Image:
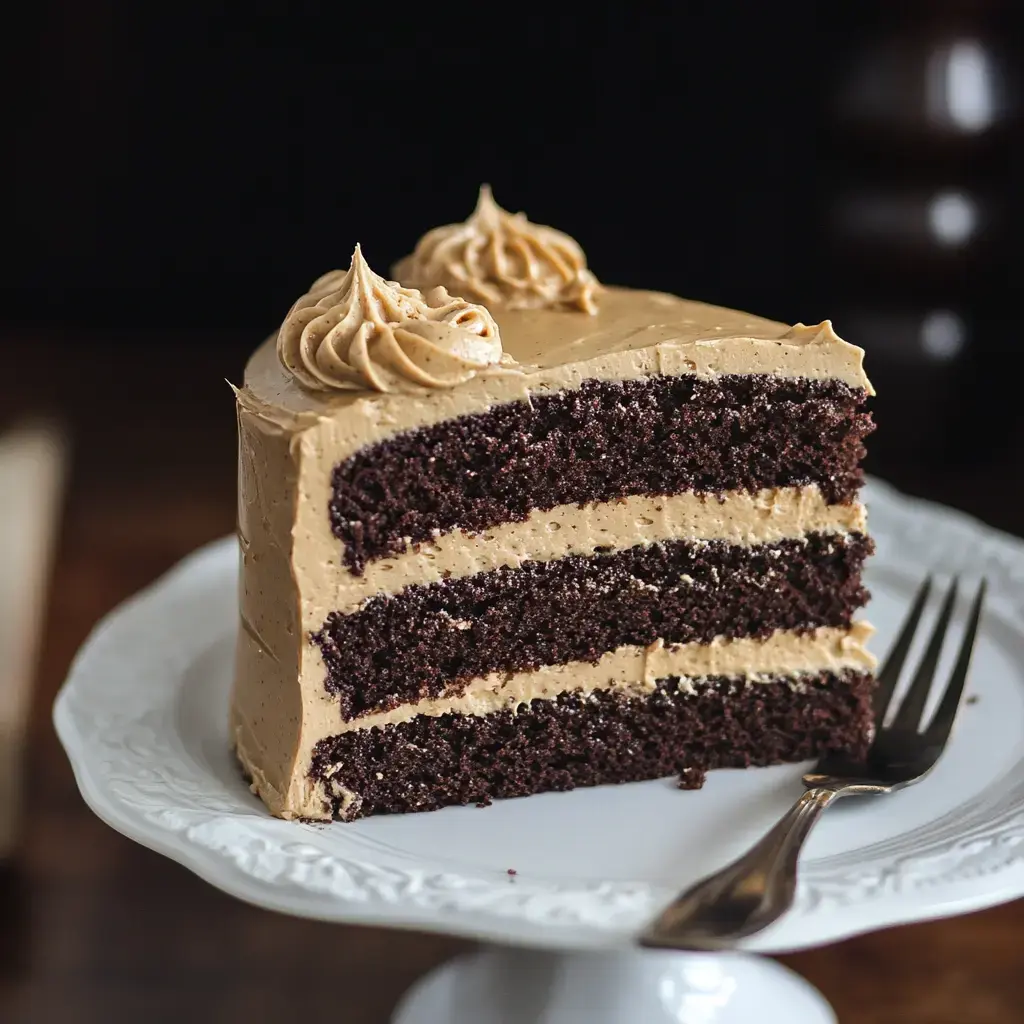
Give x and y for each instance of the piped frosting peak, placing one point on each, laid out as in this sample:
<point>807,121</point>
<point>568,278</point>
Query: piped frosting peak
<point>812,334</point>
<point>502,259</point>
<point>354,330</point>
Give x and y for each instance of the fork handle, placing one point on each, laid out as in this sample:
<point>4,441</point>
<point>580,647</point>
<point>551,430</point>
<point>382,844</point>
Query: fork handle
<point>749,894</point>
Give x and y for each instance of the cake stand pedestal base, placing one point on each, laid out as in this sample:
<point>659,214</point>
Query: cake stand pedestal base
<point>513,986</point>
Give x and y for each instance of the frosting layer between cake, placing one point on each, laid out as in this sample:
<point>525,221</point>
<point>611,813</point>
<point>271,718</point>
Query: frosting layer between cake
<point>600,442</point>
<point>261,726</point>
<point>432,639</point>
<point>592,739</point>
<point>637,670</point>
<point>736,517</point>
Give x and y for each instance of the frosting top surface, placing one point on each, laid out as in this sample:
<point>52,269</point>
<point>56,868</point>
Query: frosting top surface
<point>626,320</point>
<point>633,333</point>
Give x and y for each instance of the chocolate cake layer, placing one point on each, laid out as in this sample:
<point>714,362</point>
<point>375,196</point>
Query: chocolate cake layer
<point>573,740</point>
<point>604,440</point>
<point>433,639</point>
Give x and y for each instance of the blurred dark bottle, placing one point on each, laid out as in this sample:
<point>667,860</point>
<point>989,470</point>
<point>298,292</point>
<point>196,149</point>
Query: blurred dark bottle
<point>920,215</point>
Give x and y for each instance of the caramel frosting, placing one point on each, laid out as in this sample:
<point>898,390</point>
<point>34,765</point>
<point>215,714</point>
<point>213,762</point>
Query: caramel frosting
<point>635,671</point>
<point>634,334</point>
<point>741,518</point>
<point>354,331</point>
<point>501,259</point>
<point>292,433</point>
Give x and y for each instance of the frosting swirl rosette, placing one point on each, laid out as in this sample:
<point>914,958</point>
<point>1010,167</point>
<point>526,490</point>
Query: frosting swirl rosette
<point>501,259</point>
<point>353,330</point>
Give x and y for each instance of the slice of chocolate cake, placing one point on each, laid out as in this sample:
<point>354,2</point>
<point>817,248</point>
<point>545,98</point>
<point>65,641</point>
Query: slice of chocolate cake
<point>505,530</point>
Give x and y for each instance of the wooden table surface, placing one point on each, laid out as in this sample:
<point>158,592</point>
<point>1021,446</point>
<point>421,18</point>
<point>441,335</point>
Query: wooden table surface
<point>94,928</point>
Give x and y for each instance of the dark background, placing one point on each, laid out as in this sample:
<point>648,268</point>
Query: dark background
<point>175,175</point>
<point>201,169</point>
<point>196,167</point>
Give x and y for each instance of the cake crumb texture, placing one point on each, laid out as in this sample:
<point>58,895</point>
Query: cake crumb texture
<point>575,740</point>
<point>602,441</point>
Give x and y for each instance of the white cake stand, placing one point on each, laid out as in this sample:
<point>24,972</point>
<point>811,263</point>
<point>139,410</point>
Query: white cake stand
<point>560,884</point>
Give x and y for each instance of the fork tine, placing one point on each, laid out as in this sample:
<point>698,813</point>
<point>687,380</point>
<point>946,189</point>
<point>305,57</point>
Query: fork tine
<point>890,674</point>
<point>942,721</point>
<point>908,716</point>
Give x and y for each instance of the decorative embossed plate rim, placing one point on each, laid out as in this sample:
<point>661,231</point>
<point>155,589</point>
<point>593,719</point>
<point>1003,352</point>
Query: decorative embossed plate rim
<point>142,717</point>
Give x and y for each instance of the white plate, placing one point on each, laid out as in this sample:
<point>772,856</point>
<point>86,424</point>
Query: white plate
<point>143,718</point>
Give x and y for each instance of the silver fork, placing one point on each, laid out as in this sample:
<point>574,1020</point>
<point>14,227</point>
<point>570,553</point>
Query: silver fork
<point>759,887</point>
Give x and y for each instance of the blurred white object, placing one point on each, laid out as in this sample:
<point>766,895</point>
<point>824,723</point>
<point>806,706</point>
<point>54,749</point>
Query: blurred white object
<point>960,88</point>
<point>943,334</point>
<point>909,337</point>
<point>957,86</point>
<point>953,217</point>
<point>912,219</point>
<point>32,460</point>
<point>518,986</point>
